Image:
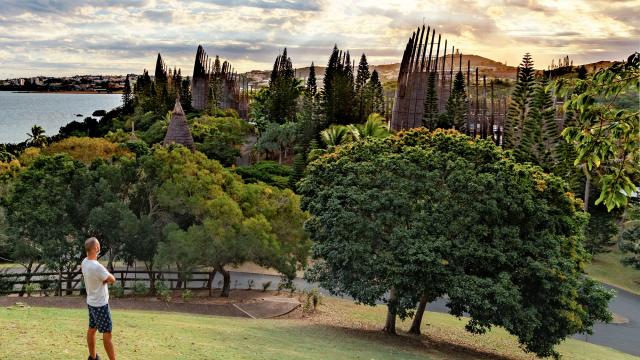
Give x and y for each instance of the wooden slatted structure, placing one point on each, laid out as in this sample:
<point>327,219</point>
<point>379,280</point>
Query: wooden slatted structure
<point>486,113</point>
<point>209,74</point>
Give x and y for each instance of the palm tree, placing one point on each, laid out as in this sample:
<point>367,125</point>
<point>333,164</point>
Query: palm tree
<point>37,137</point>
<point>374,127</point>
<point>335,135</point>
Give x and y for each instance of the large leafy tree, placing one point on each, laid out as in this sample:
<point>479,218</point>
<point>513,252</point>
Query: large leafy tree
<point>425,214</point>
<point>47,211</point>
<point>606,136</point>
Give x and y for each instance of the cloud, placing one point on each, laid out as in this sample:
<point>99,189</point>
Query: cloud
<point>68,37</point>
<point>269,4</point>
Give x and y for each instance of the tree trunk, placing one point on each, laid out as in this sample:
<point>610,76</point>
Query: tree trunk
<point>417,319</point>
<point>69,286</point>
<point>587,187</point>
<point>110,263</point>
<point>59,287</point>
<point>179,281</point>
<point>226,287</point>
<point>27,278</point>
<point>390,325</point>
<point>212,274</point>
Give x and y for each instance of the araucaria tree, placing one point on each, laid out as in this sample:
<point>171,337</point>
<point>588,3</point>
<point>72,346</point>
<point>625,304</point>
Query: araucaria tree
<point>421,214</point>
<point>376,94</point>
<point>430,116</point>
<point>339,93</point>
<point>457,105</point>
<point>283,90</point>
<point>520,104</point>
<point>362,96</point>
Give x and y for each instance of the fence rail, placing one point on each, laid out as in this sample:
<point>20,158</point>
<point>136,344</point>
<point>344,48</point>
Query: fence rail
<point>70,282</point>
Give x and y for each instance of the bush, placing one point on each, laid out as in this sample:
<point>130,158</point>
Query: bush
<point>187,295</point>
<point>250,284</point>
<point>116,290</point>
<point>31,288</point>
<point>313,299</point>
<point>140,288</point>
<point>266,285</point>
<point>269,172</point>
<point>162,291</point>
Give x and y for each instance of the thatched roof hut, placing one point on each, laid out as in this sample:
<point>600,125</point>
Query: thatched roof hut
<point>178,131</point>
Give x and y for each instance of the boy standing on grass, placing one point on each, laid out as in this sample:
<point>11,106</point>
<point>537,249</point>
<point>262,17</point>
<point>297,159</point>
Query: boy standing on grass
<point>96,279</point>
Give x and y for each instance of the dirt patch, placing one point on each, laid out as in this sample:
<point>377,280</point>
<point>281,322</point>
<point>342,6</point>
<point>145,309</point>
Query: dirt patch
<point>248,304</point>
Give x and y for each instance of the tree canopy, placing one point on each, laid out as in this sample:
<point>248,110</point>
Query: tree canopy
<point>427,214</point>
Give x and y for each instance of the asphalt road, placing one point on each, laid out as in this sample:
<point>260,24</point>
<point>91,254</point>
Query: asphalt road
<point>624,337</point>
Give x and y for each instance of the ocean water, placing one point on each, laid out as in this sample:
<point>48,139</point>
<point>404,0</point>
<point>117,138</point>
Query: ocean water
<point>20,111</point>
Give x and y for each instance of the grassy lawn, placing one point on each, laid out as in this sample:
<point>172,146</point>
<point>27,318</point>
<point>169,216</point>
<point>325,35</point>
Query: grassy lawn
<point>447,330</point>
<point>339,330</point>
<point>49,333</point>
<point>608,269</point>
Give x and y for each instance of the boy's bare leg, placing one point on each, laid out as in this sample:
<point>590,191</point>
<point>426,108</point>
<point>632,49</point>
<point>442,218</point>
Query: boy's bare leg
<point>108,346</point>
<point>91,342</point>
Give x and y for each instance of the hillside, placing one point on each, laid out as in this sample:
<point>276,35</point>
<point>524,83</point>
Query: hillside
<point>389,72</point>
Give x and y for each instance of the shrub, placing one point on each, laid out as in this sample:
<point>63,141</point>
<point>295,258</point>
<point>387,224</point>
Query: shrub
<point>116,290</point>
<point>313,299</point>
<point>31,288</point>
<point>140,288</point>
<point>269,172</point>
<point>162,291</point>
<point>266,285</point>
<point>187,295</point>
<point>250,284</point>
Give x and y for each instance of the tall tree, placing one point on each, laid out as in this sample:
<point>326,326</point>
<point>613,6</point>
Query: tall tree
<point>520,104</point>
<point>457,104</point>
<point>376,94</point>
<point>605,135</point>
<point>430,117</point>
<point>362,78</point>
<point>126,94</point>
<point>284,90</point>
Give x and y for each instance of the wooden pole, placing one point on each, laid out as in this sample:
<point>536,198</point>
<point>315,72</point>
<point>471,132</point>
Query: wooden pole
<point>491,131</point>
<point>485,129</point>
<point>433,34</point>
<point>424,50</point>
<point>475,117</point>
<point>453,48</point>
<point>469,97</point>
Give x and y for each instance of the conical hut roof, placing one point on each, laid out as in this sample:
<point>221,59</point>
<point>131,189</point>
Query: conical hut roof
<point>178,131</point>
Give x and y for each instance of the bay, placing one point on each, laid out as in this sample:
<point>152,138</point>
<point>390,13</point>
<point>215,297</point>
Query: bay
<point>20,111</point>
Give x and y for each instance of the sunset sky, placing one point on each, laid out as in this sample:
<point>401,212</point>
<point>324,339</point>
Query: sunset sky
<point>64,37</point>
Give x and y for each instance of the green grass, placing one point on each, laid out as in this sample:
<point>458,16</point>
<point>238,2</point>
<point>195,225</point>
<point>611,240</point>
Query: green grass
<point>341,330</point>
<point>48,333</point>
<point>607,268</point>
<point>447,330</point>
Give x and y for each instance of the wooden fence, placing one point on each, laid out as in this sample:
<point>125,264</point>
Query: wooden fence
<point>71,282</point>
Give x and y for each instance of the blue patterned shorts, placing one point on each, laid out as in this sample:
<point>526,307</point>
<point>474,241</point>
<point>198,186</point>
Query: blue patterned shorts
<point>100,318</point>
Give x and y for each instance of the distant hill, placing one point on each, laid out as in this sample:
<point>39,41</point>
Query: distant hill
<point>389,72</point>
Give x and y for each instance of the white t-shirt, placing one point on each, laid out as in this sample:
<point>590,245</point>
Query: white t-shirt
<point>94,276</point>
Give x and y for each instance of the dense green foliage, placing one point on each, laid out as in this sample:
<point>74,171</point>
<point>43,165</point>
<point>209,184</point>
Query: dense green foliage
<point>149,208</point>
<point>424,214</point>
<point>520,104</point>
<point>607,137</point>
<point>268,172</point>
